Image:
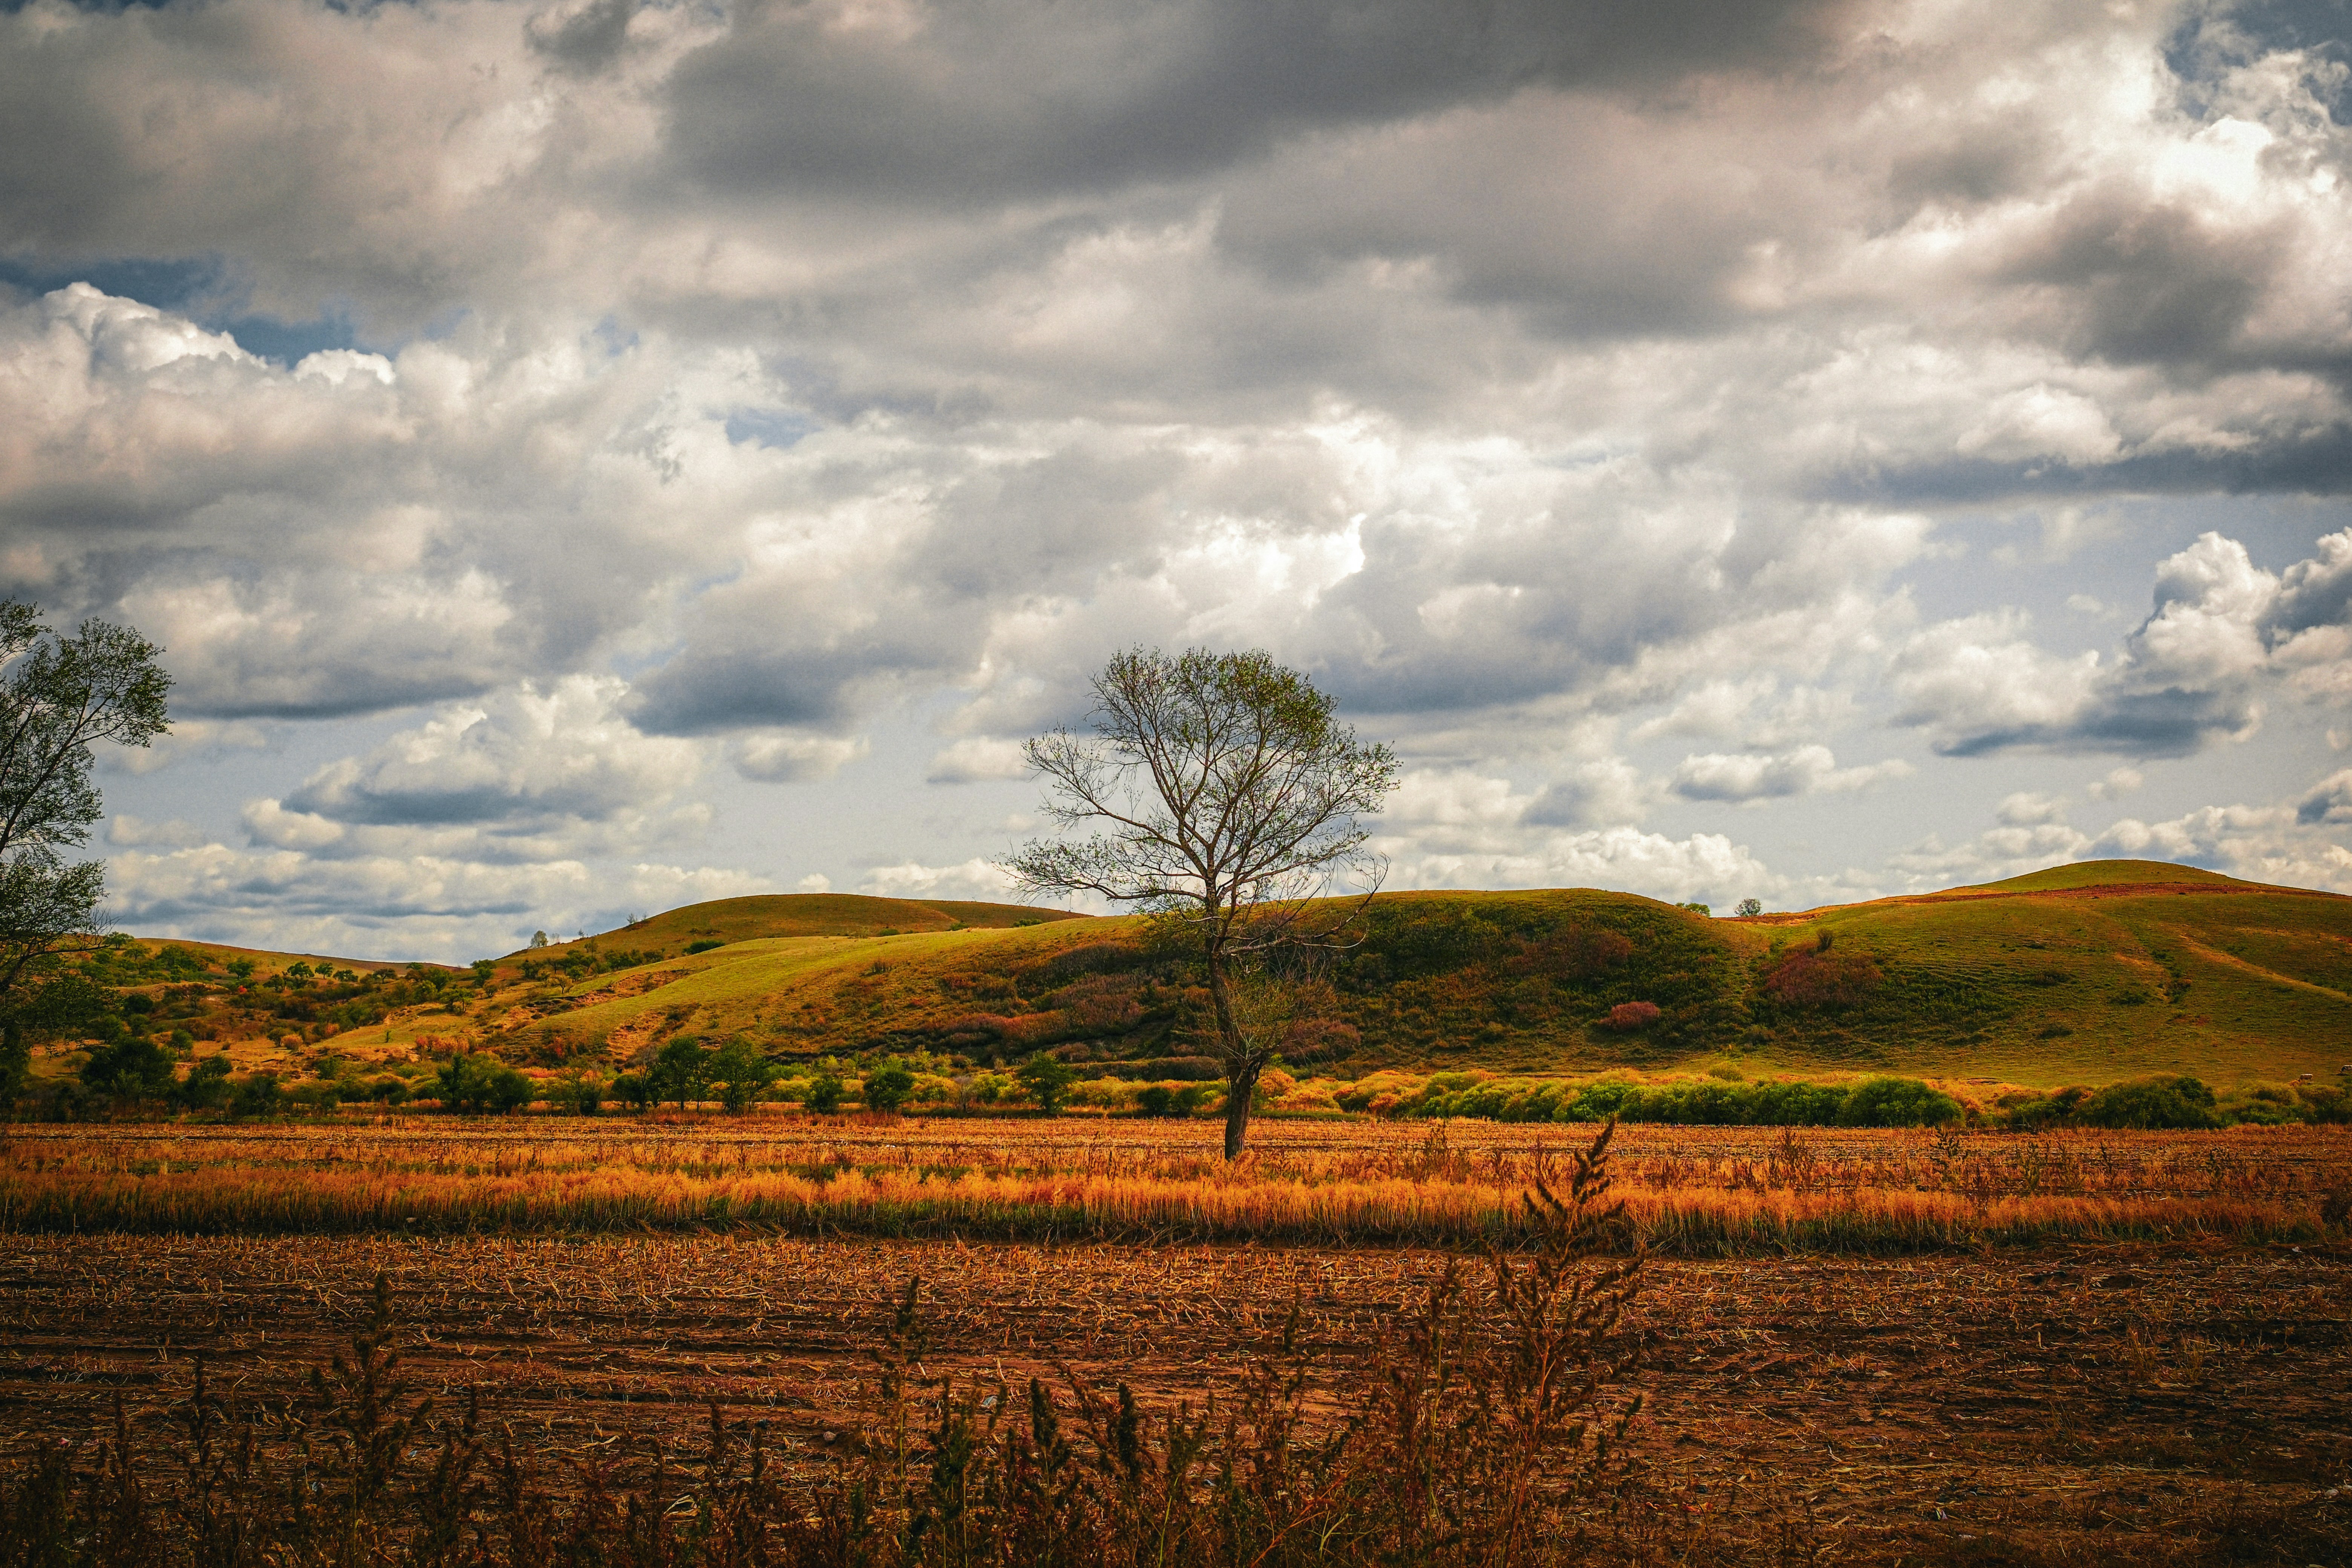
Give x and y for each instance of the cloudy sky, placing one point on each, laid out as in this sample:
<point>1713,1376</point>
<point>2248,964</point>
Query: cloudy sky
<point>582,459</point>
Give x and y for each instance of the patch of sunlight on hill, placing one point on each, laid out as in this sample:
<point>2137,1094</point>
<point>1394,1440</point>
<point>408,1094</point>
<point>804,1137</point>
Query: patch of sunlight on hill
<point>2097,874</point>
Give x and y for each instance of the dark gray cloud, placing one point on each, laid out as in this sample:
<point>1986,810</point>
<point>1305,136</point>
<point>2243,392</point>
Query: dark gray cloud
<point>2329,802</point>
<point>2171,722</point>
<point>1006,98</point>
<point>589,39</point>
<point>2151,281</point>
<point>2289,458</point>
<point>2313,594</point>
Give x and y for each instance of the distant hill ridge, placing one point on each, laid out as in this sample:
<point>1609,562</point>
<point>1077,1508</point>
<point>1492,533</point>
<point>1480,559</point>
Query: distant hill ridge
<point>2086,973</point>
<point>814,914</point>
<point>2082,973</point>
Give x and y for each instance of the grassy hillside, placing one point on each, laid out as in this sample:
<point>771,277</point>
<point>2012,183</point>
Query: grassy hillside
<point>811,914</point>
<point>2080,975</point>
<point>2085,973</point>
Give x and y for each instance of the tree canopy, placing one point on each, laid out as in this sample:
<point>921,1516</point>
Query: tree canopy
<point>59,697</point>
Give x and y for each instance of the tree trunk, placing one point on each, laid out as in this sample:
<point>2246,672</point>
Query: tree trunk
<point>16,1061</point>
<point>1241,1065</point>
<point>1239,1088</point>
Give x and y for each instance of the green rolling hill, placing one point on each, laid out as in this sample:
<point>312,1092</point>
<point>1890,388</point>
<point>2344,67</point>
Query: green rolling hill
<point>809,914</point>
<point>2084,973</point>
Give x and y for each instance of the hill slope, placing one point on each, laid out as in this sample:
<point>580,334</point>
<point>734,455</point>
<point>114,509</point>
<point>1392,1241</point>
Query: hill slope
<point>2086,973</point>
<point>811,914</point>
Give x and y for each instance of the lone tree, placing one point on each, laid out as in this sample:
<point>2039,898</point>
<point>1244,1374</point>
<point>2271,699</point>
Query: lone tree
<point>58,697</point>
<point>1222,795</point>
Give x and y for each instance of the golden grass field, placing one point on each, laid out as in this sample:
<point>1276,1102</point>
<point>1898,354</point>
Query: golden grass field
<point>1690,1191</point>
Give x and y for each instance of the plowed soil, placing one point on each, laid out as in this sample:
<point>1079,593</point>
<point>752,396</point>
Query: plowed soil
<point>2104,1404</point>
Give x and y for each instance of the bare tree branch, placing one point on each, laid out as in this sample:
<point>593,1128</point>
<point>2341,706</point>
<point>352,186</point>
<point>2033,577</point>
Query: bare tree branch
<point>1223,794</point>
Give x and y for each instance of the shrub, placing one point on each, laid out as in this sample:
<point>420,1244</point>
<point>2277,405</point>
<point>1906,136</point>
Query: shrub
<point>257,1096</point>
<point>2164,1102</point>
<point>1577,953</point>
<point>888,1085</point>
<point>1630,1015</point>
<point>681,1069</point>
<point>1795,1105</point>
<point>320,1094</point>
<point>1319,1039</point>
<point>2031,1113</point>
<point>823,1094</point>
<point>634,1090</point>
<point>475,1081</point>
<point>1047,1081</point>
<point>578,1092</point>
<point>1195,1070</point>
<point>1822,978</point>
<point>1899,1102</point>
<point>206,1087</point>
<point>132,1066</point>
<point>1170,1100</point>
<point>740,1070</point>
<point>703,946</point>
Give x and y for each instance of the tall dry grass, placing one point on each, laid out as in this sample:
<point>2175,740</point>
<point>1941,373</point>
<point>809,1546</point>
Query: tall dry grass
<point>1686,1191</point>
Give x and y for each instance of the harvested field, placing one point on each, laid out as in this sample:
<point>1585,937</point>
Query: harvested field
<point>2075,1404</point>
<point>1693,1191</point>
<point>1862,1346</point>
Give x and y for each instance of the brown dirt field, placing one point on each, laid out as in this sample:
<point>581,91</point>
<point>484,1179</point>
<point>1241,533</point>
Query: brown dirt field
<point>2094,1404</point>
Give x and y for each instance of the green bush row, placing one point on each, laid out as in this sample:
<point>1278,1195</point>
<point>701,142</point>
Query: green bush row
<point>2171,1101</point>
<point>1874,1102</point>
<point>2174,1100</point>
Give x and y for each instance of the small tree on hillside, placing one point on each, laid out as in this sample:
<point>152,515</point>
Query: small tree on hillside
<point>1223,795</point>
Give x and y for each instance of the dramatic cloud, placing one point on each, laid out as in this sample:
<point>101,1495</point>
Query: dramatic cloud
<point>762,416</point>
<point>2193,672</point>
<point>526,757</point>
<point>2288,842</point>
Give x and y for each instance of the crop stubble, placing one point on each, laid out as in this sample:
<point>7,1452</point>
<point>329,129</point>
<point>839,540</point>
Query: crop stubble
<point>2082,1398</point>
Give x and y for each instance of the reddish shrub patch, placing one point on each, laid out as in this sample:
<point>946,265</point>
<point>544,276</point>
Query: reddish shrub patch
<point>1816,979</point>
<point>1572,954</point>
<point>1633,1014</point>
<point>1316,1039</point>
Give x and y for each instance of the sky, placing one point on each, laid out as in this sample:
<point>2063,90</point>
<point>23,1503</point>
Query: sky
<point>582,459</point>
